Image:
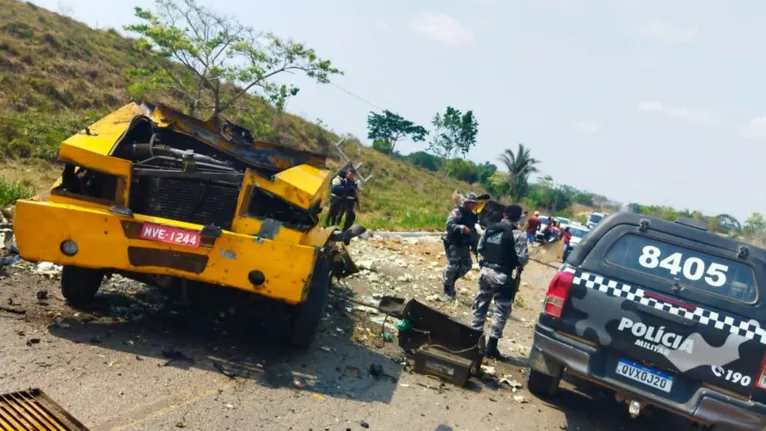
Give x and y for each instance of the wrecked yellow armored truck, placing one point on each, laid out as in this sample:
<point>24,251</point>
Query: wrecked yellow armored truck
<point>151,193</point>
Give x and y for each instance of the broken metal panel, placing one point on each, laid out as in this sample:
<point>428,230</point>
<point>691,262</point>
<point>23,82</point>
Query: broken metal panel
<point>317,236</point>
<point>34,410</point>
<point>302,186</point>
<point>97,162</point>
<point>225,136</point>
<point>101,136</point>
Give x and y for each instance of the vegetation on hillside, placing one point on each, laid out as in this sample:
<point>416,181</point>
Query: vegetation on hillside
<point>58,75</point>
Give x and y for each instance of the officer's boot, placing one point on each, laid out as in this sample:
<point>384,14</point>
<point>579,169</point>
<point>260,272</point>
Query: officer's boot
<point>491,350</point>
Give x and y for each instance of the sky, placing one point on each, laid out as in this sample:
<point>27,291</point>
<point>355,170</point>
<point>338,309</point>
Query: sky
<point>652,101</point>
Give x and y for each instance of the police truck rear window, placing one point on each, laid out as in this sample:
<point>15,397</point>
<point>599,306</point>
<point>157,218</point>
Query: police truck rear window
<point>687,267</point>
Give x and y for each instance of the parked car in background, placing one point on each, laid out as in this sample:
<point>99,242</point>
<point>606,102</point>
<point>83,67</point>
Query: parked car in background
<point>544,219</point>
<point>595,218</point>
<point>565,222</point>
<point>578,233</point>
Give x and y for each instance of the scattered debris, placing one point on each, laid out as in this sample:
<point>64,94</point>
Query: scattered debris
<point>229,406</point>
<point>513,384</point>
<point>32,341</point>
<point>520,399</point>
<point>298,383</point>
<point>327,349</point>
<point>96,339</point>
<point>488,371</point>
<point>42,295</point>
<point>13,310</point>
<point>48,269</point>
<point>364,424</point>
<point>175,355</point>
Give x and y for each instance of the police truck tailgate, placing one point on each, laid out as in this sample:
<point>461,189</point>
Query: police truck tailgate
<point>669,313</point>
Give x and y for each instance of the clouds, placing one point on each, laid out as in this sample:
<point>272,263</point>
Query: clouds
<point>442,28</point>
<point>586,127</point>
<point>667,33</point>
<point>692,116</point>
<point>755,129</point>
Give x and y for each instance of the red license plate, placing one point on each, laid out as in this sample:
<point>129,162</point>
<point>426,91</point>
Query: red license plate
<point>170,235</point>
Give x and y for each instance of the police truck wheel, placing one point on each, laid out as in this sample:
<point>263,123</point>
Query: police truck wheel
<point>306,316</point>
<point>79,285</point>
<point>542,384</point>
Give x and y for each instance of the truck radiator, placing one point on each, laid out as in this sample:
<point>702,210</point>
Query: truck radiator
<point>185,199</point>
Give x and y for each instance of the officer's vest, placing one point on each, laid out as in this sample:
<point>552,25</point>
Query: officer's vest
<point>467,218</point>
<point>499,247</point>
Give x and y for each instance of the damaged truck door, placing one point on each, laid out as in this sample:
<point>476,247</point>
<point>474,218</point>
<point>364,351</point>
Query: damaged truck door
<point>149,192</point>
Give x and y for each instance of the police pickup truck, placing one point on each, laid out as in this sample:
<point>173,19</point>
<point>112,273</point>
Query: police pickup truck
<point>664,314</point>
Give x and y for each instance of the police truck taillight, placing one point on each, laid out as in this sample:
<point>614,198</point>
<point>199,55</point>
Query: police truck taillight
<point>557,294</point>
<point>760,381</point>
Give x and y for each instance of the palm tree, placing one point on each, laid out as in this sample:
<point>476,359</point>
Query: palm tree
<point>520,165</point>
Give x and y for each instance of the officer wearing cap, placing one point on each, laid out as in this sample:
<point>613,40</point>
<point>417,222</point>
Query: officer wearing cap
<point>502,249</point>
<point>344,189</point>
<point>459,242</point>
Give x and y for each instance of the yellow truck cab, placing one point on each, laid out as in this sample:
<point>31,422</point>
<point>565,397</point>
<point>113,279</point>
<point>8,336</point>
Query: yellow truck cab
<point>149,191</point>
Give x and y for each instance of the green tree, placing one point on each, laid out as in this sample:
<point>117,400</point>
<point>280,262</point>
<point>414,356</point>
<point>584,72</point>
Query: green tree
<point>382,146</point>
<point>755,224</point>
<point>454,133</point>
<point>392,128</point>
<point>520,166</point>
<point>463,170</point>
<point>485,172</point>
<point>215,51</point>
<point>424,160</point>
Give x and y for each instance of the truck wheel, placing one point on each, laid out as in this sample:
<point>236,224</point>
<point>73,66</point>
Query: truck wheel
<point>542,384</point>
<point>79,285</point>
<point>306,316</point>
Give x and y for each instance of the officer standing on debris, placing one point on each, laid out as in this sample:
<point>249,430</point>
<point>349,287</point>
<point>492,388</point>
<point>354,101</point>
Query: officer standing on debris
<point>459,242</point>
<point>345,195</point>
<point>502,249</point>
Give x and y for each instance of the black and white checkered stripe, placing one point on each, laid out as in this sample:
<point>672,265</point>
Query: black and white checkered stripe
<point>720,321</point>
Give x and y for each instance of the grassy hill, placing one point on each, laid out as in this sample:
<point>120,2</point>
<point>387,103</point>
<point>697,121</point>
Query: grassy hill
<point>58,75</point>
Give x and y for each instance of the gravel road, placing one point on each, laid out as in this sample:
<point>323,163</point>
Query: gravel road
<point>139,360</point>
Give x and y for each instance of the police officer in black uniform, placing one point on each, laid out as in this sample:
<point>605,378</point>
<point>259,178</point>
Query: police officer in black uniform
<point>502,249</point>
<point>345,194</point>
<point>459,242</point>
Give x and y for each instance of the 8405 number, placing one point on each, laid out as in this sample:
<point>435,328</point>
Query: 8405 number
<point>692,268</point>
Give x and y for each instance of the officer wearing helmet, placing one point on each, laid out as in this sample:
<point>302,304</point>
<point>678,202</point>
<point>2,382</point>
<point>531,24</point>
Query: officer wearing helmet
<point>344,189</point>
<point>502,249</point>
<point>459,242</point>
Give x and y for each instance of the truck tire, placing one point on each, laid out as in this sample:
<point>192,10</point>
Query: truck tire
<point>542,384</point>
<point>79,285</point>
<point>306,316</point>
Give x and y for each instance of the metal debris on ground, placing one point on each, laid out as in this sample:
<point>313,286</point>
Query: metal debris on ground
<point>175,355</point>
<point>513,384</point>
<point>33,409</point>
<point>298,383</point>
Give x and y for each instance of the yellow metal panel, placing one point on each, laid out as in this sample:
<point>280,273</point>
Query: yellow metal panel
<point>301,185</point>
<point>42,226</point>
<point>105,132</point>
<point>99,162</point>
<point>317,236</point>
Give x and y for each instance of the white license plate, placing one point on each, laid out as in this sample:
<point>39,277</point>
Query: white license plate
<point>645,375</point>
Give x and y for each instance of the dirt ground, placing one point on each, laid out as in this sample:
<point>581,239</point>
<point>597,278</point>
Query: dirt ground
<point>140,360</point>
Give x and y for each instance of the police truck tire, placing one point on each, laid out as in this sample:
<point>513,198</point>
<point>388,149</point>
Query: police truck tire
<point>306,316</point>
<point>541,384</point>
<point>79,285</point>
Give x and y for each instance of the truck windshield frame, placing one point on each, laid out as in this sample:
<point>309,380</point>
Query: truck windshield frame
<point>680,265</point>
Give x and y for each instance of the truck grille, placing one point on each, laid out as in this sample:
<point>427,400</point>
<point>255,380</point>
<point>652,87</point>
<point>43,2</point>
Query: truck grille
<point>190,200</point>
